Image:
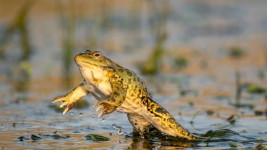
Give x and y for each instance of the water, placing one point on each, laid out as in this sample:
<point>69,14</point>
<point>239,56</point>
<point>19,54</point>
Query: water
<point>214,40</point>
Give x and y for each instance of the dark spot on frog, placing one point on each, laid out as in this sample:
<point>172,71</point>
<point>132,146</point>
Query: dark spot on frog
<point>160,110</point>
<point>129,73</point>
<point>129,81</point>
<point>116,93</point>
<point>152,106</point>
<point>171,120</point>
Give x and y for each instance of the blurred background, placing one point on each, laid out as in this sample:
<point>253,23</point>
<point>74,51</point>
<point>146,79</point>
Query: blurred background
<point>204,61</point>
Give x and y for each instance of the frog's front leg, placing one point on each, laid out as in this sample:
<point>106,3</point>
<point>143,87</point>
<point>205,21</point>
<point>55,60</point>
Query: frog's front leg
<point>116,98</point>
<point>70,98</point>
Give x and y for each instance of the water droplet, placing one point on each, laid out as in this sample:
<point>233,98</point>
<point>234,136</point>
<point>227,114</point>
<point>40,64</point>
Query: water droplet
<point>103,120</point>
<point>71,113</point>
<point>81,114</point>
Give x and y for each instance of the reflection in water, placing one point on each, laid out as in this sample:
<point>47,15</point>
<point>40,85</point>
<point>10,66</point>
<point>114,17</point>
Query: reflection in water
<point>157,142</point>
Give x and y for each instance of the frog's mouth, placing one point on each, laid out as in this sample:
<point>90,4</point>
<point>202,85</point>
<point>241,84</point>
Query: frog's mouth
<point>83,61</point>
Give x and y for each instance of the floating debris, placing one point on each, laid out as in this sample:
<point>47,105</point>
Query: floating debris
<point>218,133</point>
<point>210,112</point>
<point>231,119</point>
<point>181,62</point>
<point>96,137</point>
<point>188,92</point>
<point>254,89</point>
<point>35,137</point>
<point>249,106</point>
<point>22,138</point>
<point>259,113</point>
<point>232,144</point>
<point>56,136</point>
<point>236,52</point>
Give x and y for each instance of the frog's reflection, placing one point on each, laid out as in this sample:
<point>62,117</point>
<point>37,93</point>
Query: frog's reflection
<point>155,140</point>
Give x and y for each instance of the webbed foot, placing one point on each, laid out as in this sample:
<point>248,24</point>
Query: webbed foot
<point>106,107</point>
<point>65,101</point>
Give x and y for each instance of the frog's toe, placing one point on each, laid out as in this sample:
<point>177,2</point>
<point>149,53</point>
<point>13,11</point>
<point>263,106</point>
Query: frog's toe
<point>106,108</point>
<point>64,104</point>
<point>103,103</point>
<point>58,99</point>
<point>69,107</point>
<point>100,107</point>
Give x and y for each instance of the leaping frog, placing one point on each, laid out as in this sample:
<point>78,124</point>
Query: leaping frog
<point>119,89</point>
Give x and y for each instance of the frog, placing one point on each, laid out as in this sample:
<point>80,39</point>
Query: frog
<point>119,89</point>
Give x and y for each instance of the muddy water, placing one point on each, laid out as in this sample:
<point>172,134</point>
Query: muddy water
<point>218,90</point>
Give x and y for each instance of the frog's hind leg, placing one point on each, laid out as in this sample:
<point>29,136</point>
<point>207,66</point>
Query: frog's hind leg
<point>139,123</point>
<point>163,121</point>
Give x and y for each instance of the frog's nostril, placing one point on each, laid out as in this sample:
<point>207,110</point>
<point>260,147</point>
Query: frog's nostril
<point>88,51</point>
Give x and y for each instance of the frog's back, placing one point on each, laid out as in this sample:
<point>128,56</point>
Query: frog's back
<point>144,111</point>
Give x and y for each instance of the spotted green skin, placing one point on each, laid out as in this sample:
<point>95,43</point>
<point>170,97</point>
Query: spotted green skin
<point>119,89</point>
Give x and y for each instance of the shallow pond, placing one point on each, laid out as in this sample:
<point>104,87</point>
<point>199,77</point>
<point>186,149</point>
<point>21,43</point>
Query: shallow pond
<point>211,74</point>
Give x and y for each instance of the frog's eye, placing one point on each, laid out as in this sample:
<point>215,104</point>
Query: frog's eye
<point>97,54</point>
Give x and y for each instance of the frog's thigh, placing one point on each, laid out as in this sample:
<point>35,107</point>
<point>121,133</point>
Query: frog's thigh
<point>139,123</point>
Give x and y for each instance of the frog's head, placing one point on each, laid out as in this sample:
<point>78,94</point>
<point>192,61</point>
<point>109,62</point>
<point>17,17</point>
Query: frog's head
<point>92,58</point>
<point>93,62</point>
